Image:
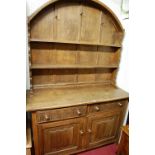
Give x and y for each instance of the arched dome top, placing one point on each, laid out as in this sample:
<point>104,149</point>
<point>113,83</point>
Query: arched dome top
<point>82,36</point>
<point>98,3</point>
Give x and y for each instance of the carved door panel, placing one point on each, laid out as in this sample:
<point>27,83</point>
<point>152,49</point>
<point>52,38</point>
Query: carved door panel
<point>61,137</point>
<point>102,127</point>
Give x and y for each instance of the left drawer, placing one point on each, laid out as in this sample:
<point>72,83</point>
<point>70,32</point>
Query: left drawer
<point>61,114</point>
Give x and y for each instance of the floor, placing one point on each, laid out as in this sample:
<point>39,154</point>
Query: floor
<point>106,150</point>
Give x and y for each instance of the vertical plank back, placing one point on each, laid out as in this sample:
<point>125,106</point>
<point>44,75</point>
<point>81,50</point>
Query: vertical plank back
<point>81,35</point>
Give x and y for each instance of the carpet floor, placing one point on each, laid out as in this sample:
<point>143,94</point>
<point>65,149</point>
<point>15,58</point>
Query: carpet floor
<point>106,150</point>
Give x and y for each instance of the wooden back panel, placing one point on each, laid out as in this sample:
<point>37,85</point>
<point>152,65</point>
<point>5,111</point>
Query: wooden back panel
<point>74,42</point>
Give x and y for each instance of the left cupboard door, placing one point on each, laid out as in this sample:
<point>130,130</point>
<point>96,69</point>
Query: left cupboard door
<point>62,137</point>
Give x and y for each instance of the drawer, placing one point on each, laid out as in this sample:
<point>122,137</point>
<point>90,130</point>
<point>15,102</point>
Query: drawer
<point>107,106</point>
<point>61,114</point>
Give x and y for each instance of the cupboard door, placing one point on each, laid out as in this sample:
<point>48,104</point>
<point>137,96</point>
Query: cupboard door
<point>102,128</point>
<point>61,137</point>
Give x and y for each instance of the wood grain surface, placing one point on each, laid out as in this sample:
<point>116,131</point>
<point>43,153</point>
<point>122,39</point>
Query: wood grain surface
<point>62,97</point>
<point>74,56</point>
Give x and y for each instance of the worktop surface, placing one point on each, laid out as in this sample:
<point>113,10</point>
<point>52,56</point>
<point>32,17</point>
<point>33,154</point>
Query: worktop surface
<point>51,98</point>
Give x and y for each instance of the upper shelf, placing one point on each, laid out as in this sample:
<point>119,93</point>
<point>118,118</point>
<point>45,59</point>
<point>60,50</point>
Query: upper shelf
<point>50,66</point>
<point>72,42</point>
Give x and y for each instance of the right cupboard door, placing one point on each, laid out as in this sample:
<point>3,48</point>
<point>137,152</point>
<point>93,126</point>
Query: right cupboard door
<point>103,128</point>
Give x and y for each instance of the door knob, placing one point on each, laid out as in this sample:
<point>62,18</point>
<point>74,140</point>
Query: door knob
<point>47,117</point>
<point>120,104</point>
<point>78,112</point>
<point>81,132</point>
<point>97,108</point>
<point>89,131</point>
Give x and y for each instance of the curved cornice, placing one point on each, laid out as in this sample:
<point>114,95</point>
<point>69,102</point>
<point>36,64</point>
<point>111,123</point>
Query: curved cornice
<point>95,1</point>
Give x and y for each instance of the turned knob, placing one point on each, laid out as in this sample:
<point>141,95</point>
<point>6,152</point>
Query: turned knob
<point>120,104</point>
<point>81,132</point>
<point>97,108</point>
<point>78,112</point>
<point>47,117</point>
<point>89,131</point>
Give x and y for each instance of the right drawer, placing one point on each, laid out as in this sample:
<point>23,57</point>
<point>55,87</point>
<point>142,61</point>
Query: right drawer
<point>107,106</point>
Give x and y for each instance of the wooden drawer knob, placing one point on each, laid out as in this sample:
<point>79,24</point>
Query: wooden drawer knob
<point>47,117</point>
<point>97,108</point>
<point>120,104</point>
<point>78,112</point>
<point>89,131</point>
<point>81,132</point>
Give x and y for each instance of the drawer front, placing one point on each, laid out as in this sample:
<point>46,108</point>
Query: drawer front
<point>61,114</point>
<point>107,106</point>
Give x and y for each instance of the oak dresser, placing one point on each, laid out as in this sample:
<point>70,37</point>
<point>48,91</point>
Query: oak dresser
<point>74,55</point>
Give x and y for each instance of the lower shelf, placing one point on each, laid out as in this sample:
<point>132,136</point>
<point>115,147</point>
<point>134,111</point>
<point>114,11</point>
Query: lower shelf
<point>48,66</point>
